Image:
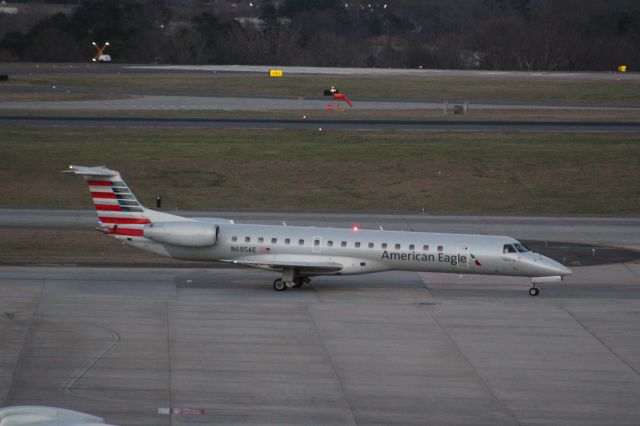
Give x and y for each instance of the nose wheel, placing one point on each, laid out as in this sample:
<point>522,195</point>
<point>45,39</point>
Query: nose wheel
<point>279,285</point>
<point>534,291</point>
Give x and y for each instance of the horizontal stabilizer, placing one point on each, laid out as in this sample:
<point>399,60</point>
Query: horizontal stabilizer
<point>90,171</point>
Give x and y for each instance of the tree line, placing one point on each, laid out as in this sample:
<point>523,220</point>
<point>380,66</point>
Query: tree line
<point>529,35</point>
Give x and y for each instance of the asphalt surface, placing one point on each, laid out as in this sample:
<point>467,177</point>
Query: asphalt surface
<point>320,125</point>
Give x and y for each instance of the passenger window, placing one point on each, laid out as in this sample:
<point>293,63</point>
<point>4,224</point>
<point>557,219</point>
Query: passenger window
<point>397,246</point>
<point>300,242</point>
<point>287,241</point>
<point>412,247</point>
<point>247,239</point>
<point>384,245</point>
<point>234,239</point>
<point>329,243</point>
<point>357,244</point>
<point>274,241</point>
<point>316,243</point>
<point>425,247</point>
<point>343,244</point>
<point>260,240</point>
<point>440,248</point>
<point>370,245</point>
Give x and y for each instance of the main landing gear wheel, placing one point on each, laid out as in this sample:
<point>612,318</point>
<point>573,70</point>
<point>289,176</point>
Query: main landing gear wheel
<point>298,282</point>
<point>279,285</point>
<point>534,291</point>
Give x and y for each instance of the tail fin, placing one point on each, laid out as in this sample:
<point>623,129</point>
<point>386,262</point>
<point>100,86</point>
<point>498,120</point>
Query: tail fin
<point>119,212</point>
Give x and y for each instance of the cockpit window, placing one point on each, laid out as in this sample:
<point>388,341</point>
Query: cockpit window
<point>521,247</point>
<point>509,248</point>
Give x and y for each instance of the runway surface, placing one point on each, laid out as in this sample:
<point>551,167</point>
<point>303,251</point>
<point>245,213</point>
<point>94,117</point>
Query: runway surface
<point>316,124</point>
<point>392,72</point>
<point>25,68</point>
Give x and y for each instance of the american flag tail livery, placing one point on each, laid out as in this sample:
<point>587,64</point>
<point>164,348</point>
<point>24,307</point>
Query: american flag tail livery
<point>119,212</point>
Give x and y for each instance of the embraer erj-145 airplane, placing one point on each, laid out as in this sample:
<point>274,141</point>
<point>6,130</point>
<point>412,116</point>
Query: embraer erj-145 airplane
<point>300,253</point>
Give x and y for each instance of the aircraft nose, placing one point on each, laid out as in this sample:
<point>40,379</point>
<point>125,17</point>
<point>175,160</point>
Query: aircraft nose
<point>552,267</point>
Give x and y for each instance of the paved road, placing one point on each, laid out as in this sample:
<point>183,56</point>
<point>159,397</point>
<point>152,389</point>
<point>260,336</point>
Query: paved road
<point>405,125</point>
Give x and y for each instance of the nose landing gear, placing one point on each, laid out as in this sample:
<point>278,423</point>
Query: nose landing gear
<point>534,291</point>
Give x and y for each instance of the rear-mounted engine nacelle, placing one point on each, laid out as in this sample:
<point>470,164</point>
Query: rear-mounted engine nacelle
<point>184,234</point>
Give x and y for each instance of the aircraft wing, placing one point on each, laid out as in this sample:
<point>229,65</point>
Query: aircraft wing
<point>290,263</point>
<point>214,220</point>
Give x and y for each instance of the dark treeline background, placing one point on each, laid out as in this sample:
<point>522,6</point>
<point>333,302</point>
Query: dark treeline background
<point>486,34</point>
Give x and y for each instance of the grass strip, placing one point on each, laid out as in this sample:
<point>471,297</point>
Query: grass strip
<point>440,172</point>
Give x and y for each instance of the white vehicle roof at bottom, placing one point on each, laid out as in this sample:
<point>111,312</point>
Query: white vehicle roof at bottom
<point>46,416</point>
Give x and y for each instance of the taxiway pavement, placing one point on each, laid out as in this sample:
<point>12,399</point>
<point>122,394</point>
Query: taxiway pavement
<point>315,124</point>
<point>614,231</point>
<point>26,68</point>
<point>390,348</point>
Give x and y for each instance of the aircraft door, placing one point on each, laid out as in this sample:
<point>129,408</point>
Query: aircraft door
<point>317,244</point>
<point>463,256</point>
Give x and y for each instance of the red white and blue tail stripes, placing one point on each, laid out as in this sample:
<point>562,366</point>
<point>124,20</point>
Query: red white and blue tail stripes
<point>117,207</point>
<point>119,212</point>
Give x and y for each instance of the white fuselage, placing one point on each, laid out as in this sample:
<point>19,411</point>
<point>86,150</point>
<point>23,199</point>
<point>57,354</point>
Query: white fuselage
<point>362,251</point>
